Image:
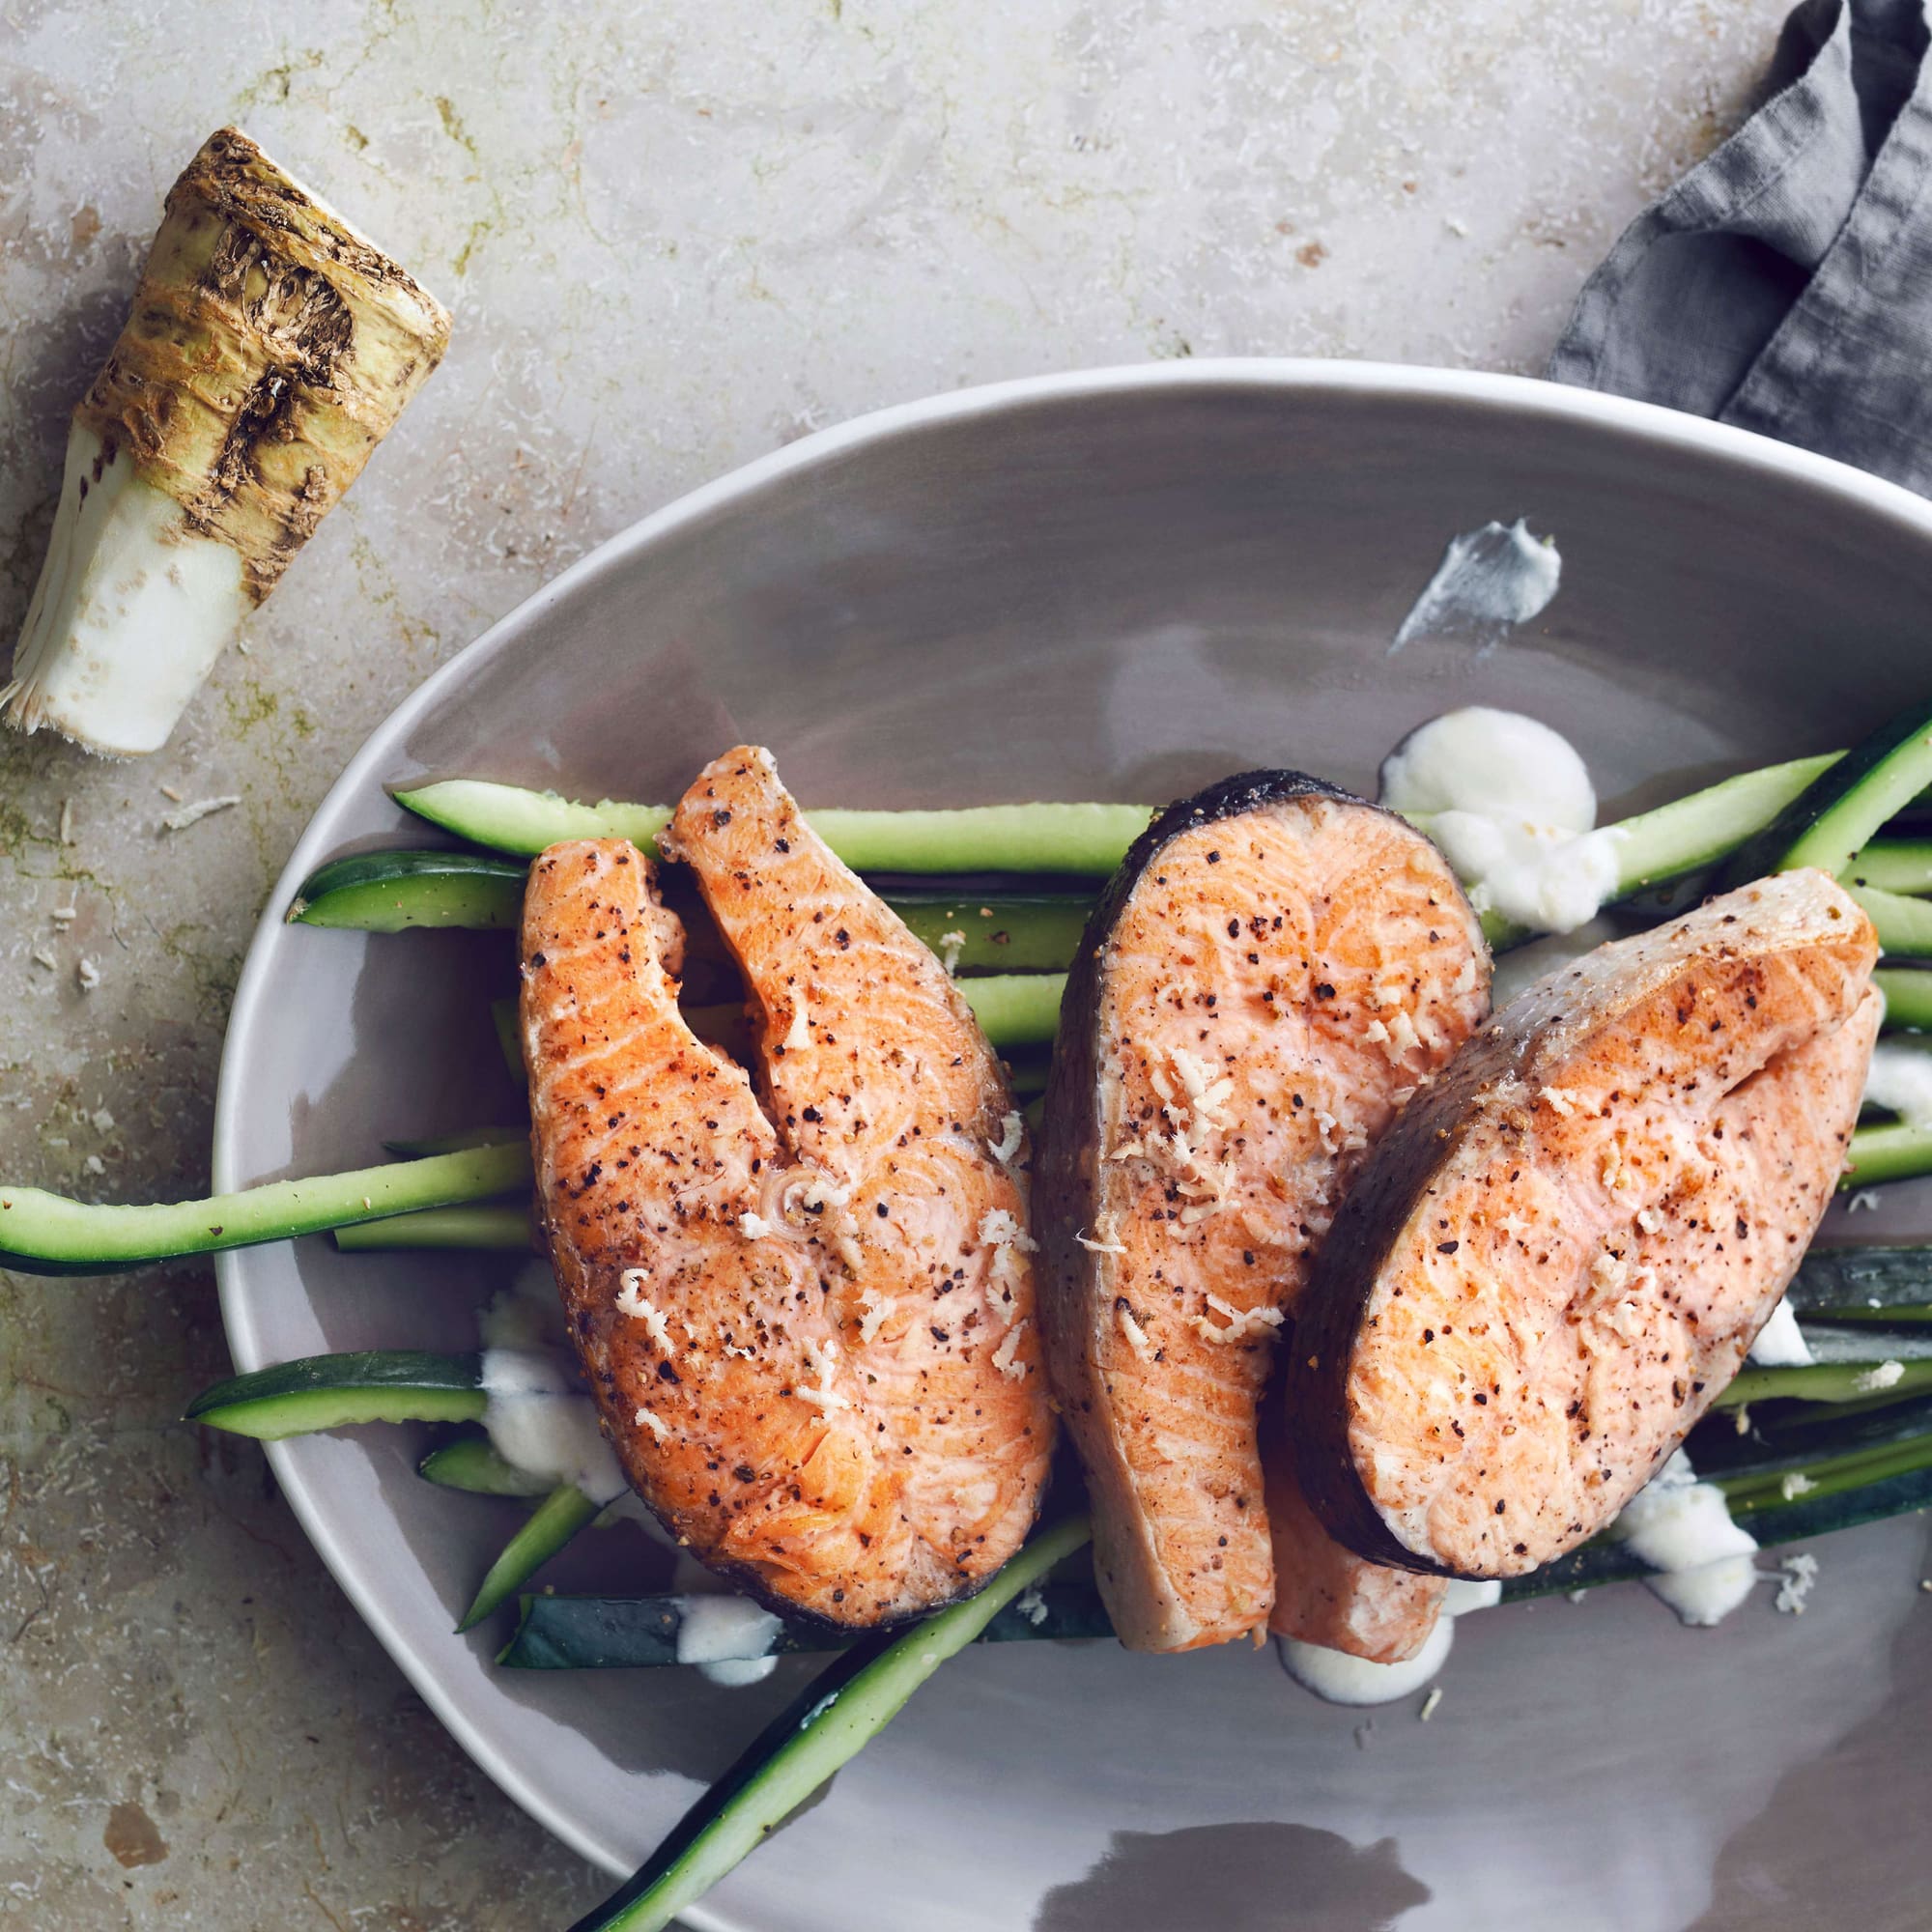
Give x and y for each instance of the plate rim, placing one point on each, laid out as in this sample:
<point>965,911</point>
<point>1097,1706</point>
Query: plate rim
<point>249,1010</point>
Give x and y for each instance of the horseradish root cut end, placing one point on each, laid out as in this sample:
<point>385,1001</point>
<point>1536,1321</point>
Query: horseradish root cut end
<point>269,350</point>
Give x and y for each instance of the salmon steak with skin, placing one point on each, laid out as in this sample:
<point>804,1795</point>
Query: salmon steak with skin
<point>1325,1592</point>
<point>1274,970</point>
<point>804,1302</point>
<point>1560,1256</point>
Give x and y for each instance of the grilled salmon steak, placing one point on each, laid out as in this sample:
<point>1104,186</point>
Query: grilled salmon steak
<point>1324,1592</point>
<point>1275,968</point>
<point>805,1305</point>
<point>1559,1254</point>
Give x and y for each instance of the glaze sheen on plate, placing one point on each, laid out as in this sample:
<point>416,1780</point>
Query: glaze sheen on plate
<point>1124,585</point>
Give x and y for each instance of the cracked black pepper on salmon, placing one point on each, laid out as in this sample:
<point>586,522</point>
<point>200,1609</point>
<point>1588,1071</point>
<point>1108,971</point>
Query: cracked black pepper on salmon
<point>1560,1254</point>
<point>804,1296</point>
<point>1272,973</point>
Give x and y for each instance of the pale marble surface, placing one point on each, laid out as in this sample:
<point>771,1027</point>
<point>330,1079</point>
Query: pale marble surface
<point>673,235</point>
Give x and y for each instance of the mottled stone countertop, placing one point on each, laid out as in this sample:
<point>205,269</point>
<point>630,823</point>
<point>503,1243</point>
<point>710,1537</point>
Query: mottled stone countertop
<point>673,237</point>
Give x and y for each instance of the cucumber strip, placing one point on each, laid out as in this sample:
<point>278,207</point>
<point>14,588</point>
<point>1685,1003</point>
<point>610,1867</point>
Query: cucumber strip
<point>393,891</point>
<point>555,1521</point>
<point>495,1228</point>
<point>1707,826</point>
<point>1892,1152</point>
<point>470,1462</point>
<point>1015,1009</point>
<point>641,1632</point>
<point>1830,821</point>
<point>1042,838</point>
<point>1904,925</point>
<point>1908,996</point>
<point>1893,865</point>
<point>1882,1462</point>
<point>47,1233</point>
<point>389,892</point>
<point>1833,1283</point>
<point>1827,1476</point>
<point>340,1391</point>
<point>1828,1382</point>
<point>1785,1436</point>
<point>1863,1344</point>
<point>1014,932</point>
<point>1905,1315</point>
<point>470,1137</point>
<point>506,818</point>
<point>1670,842</point>
<point>839,1712</point>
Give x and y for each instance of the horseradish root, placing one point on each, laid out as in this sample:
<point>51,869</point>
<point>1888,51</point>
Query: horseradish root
<point>269,350</point>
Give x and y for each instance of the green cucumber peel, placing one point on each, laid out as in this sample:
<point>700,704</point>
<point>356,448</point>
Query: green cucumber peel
<point>319,1392</point>
<point>1704,826</point>
<point>838,1713</point>
<point>1043,838</point>
<point>1904,925</point>
<point>47,1233</point>
<point>390,892</point>
<point>396,891</point>
<point>1836,815</point>
<point>507,818</point>
<point>1890,1281</point>
<point>555,1521</point>
<point>1838,1382</point>
<point>1908,997</point>
<point>1893,865</point>
<point>1895,1152</point>
<point>1015,1009</point>
<point>558,1632</point>
<point>471,1463</point>
<point>491,1228</point>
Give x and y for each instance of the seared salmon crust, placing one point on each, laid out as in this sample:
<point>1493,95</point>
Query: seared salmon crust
<point>1275,967</point>
<point>804,1306</point>
<point>1560,1254</point>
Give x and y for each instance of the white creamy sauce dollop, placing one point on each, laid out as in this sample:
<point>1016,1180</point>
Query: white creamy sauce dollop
<point>1683,1529</point>
<point>729,1638</point>
<point>1900,1081</point>
<point>1487,581</point>
<point>1510,804</point>
<point>1342,1679</point>
<point>542,1424</point>
<point>1781,1343</point>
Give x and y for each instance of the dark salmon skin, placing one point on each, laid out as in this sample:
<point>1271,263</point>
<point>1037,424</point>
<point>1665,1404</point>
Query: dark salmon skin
<point>1274,970</point>
<point>805,1305</point>
<point>1560,1254</point>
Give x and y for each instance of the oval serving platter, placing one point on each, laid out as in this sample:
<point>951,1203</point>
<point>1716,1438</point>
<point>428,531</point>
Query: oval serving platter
<point>1119,585</point>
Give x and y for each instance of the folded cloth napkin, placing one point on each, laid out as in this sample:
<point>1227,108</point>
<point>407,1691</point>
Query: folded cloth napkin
<point>1786,283</point>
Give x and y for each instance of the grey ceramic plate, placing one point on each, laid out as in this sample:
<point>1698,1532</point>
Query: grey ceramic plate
<point>1117,586</point>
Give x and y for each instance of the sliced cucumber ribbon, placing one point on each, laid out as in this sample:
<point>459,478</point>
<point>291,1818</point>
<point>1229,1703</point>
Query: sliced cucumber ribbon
<point>48,1233</point>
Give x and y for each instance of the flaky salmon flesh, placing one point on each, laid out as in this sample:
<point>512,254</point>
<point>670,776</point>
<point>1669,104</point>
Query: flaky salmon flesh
<point>1272,973</point>
<point>1561,1252</point>
<point>805,1302</point>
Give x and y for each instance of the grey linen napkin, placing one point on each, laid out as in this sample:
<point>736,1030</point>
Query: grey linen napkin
<point>1786,283</point>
